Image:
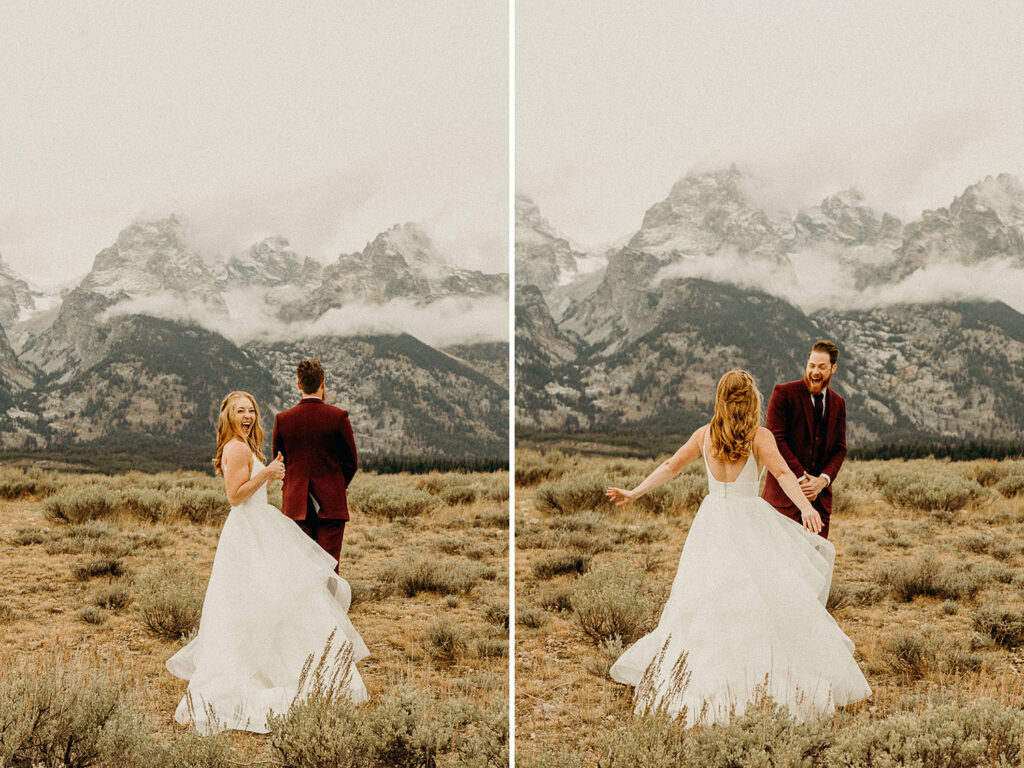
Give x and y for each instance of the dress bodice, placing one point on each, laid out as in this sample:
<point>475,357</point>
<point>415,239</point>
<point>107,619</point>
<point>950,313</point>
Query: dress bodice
<point>746,484</point>
<point>259,496</point>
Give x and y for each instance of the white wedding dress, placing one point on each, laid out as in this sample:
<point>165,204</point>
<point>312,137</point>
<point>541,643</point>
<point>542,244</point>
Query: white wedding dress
<point>272,600</point>
<point>747,608</point>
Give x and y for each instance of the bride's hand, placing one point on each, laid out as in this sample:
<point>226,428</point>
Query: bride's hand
<point>276,467</point>
<point>812,522</point>
<point>620,497</point>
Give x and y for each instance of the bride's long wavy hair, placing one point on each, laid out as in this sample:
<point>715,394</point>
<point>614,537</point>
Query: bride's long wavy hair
<point>226,429</point>
<point>737,416</point>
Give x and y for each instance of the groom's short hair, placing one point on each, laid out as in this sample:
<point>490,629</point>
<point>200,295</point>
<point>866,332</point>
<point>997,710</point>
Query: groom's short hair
<point>311,375</point>
<point>826,346</point>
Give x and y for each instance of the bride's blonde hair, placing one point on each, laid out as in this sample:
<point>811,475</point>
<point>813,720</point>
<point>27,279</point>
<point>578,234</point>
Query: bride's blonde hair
<point>227,431</point>
<point>737,416</point>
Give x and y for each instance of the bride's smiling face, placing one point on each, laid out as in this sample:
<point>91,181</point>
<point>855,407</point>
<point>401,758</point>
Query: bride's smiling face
<point>242,413</point>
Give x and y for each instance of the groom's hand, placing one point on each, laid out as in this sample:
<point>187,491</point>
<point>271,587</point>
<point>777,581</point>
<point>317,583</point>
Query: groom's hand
<point>812,486</point>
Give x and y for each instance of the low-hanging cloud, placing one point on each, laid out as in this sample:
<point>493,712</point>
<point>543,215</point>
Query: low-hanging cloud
<point>250,315</point>
<point>833,278</point>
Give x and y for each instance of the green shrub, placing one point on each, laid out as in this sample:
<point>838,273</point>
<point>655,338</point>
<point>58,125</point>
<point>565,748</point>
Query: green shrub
<point>114,598</point>
<point>1011,486</point>
<point>945,492</point>
<point>555,599</point>
<point>910,653</point>
<point>17,484</point>
<point>101,566</point>
<point>90,614</point>
<point>200,505</point>
<point>925,575</point>
<point>26,536</point>
<point>68,719</point>
<point>1004,626</point>
<point>493,518</point>
<point>497,614</point>
<point>572,496</point>
<point>982,733</point>
<point>79,505</point>
<point>391,501</point>
<point>529,617</point>
<point>143,503</point>
<point>444,577</point>
<point>404,728</point>
<point>458,494</point>
<point>169,601</point>
<point>614,600</point>
<point>564,562</point>
<point>487,647</point>
<point>447,642</point>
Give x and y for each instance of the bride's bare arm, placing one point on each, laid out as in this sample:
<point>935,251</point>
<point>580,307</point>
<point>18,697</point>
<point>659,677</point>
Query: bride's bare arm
<point>767,452</point>
<point>237,484</point>
<point>668,469</point>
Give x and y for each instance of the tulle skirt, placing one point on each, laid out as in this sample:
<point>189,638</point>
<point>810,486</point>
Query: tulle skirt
<point>272,600</point>
<point>746,617</point>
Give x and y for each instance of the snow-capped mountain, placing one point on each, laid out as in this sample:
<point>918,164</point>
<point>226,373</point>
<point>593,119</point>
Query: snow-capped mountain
<point>144,347</point>
<point>16,296</point>
<point>401,263</point>
<point>985,222</point>
<point>640,349</point>
<point>708,213</point>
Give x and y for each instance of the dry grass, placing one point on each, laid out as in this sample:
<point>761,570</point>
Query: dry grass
<point>929,584</point>
<point>424,645</point>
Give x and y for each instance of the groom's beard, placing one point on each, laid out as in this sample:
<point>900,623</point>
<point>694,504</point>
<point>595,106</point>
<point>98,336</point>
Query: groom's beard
<point>816,387</point>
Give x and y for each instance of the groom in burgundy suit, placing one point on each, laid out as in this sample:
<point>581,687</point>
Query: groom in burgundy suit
<point>320,456</point>
<point>808,420</point>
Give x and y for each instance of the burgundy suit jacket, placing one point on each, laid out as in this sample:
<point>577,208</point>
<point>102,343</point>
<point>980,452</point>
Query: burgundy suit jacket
<point>319,458</point>
<point>791,419</point>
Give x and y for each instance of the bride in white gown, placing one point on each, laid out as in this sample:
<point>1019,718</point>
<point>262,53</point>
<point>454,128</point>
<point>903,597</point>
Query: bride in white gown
<point>746,615</point>
<point>273,598</point>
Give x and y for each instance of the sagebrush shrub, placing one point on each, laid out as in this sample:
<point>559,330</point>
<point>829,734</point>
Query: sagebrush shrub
<point>391,501</point>
<point>614,600</point>
<point>929,492</point>
<point>928,576</point>
<point>101,566</point>
<point>1011,486</point>
<point>561,563</point>
<point>200,505</point>
<point>1004,626</point>
<point>444,577</point>
<point>446,640</point>
<point>910,653</point>
<point>169,601</point>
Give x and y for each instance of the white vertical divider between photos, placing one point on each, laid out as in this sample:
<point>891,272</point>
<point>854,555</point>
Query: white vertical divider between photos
<point>511,384</point>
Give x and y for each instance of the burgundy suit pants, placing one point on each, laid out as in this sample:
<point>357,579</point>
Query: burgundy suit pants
<point>327,533</point>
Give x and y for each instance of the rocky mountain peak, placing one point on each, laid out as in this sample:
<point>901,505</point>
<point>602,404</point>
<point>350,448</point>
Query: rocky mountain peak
<point>408,241</point>
<point>846,219</point>
<point>16,296</point>
<point>1002,194</point>
<point>151,256</point>
<point>706,213</point>
<point>271,263</point>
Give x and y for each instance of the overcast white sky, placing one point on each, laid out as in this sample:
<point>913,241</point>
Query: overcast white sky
<point>910,101</point>
<point>326,122</point>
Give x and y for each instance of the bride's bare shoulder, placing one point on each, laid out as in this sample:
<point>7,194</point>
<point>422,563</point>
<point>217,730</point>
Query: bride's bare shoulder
<point>235,451</point>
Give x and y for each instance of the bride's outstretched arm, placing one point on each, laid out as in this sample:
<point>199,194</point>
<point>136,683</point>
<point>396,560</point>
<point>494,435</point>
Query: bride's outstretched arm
<point>768,454</point>
<point>237,483</point>
<point>668,469</point>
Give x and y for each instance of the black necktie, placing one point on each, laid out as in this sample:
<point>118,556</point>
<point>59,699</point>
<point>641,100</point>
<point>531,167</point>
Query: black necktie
<point>819,409</point>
